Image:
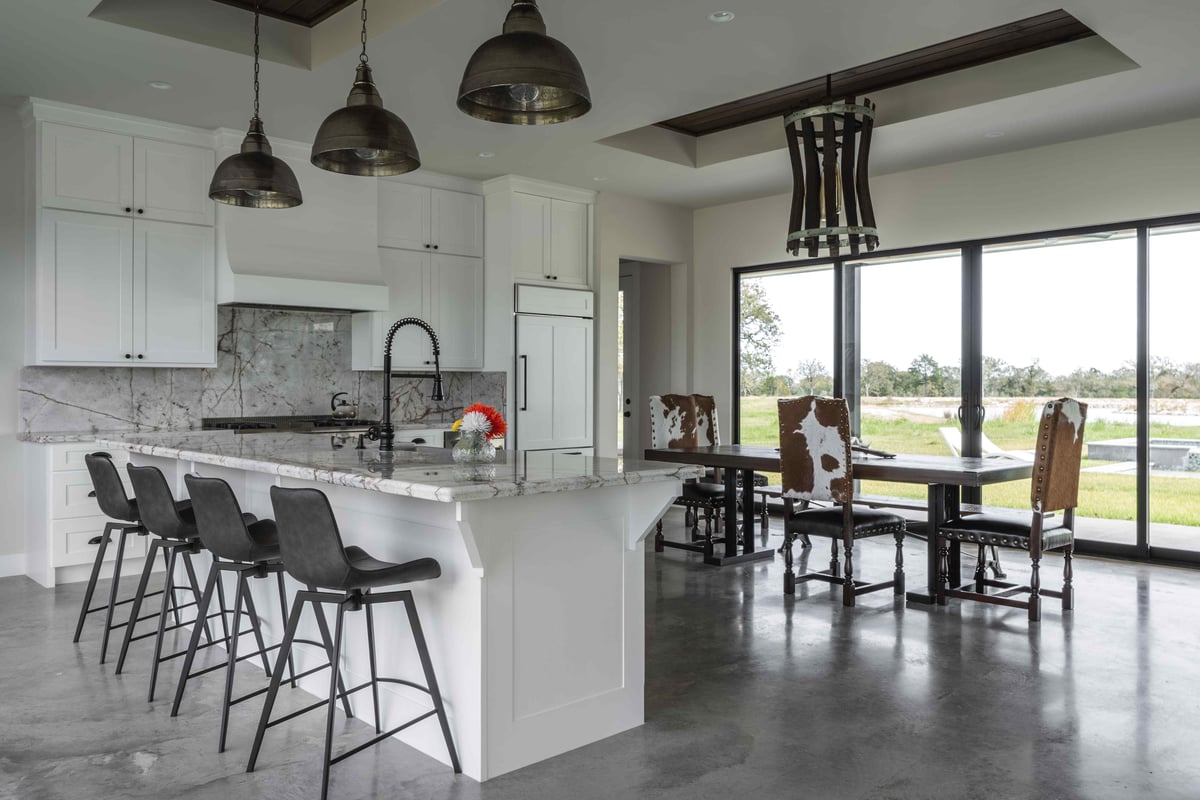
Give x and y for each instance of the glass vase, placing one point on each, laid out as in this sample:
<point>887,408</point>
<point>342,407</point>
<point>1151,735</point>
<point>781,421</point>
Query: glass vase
<point>474,448</point>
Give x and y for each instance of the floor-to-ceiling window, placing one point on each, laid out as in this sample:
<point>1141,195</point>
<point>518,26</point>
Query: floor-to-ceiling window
<point>1174,295</point>
<point>1059,318</point>
<point>982,335</point>
<point>785,345</point>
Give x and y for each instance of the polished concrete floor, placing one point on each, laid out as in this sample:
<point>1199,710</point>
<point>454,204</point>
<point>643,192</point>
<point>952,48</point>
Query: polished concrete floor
<point>749,695</point>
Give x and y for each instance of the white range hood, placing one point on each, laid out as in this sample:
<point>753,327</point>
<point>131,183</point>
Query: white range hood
<point>321,254</point>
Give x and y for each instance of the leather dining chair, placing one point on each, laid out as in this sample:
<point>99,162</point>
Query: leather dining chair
<point>1054,488</point>
<point>814,454</point>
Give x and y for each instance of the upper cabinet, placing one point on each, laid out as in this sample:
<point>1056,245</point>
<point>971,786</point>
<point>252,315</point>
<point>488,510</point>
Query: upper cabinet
<point>113,173</point>
<point>123,265</point>
<point>543,232</point>
<point>414,217</point>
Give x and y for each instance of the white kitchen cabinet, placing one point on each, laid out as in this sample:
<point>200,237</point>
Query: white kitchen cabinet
<point>61,519</point>
<point>553,382</point>
<point>550,240</point>
<point>444,290</point>
<point>119,292</point>
<point>416,217</point>
<point>111,173</point>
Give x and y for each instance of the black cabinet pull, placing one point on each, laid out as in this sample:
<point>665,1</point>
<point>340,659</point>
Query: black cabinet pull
<point>435,247</point>
<point>525,390</point>
<point>128,209</point>
<point>553,277</point>
<point>141,211</point>
<point>428,246</point>
<point>140,356</point>
<point>418,440</point>
<point>129,355</point>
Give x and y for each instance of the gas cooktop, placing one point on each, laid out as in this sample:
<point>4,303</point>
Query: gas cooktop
<point>286,424</point>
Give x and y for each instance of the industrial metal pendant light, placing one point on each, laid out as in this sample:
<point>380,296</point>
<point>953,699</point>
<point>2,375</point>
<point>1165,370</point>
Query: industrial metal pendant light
<point>254,178</point>
<point>364,138</point>
<point>830,145</point>
<point>523,76</point>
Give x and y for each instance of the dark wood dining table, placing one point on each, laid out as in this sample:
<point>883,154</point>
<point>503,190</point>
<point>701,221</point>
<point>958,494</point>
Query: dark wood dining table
<point>944,477</point>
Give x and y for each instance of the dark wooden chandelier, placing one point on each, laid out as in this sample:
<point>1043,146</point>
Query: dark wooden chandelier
<point>830,145</point>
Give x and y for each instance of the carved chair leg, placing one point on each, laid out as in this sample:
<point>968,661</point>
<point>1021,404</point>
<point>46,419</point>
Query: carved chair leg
<point>789,574</point>
<point>848,581</point>
<point>658,538</point>
<point>834,567</point>
<point>943,576</point>
<point>1035,587</point>
<point>1068,592</point>
<point>981,565</point>
<point>898,575</point>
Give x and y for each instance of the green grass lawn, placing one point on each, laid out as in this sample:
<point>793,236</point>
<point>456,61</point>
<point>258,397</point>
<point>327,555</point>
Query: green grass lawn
<point>1107,496</point>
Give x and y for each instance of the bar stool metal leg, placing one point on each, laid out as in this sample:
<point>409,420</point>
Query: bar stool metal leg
<point>233,650</point>
<point>282,608</point>
<point>139,595</point>
<point>118,564</point>
<point>168,594</point>
<point>194,642</point>
<point>255,623</point>
<point>335,670</point>
<point>86,608</point>
<point>289,634</point>
<point>373,664</point>
<point>430,678</point>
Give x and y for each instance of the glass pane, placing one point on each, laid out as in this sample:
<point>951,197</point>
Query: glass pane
<point>910,355</point>
<point>786,346</point>
<point>1174,390</point>
<point>1060,319</point>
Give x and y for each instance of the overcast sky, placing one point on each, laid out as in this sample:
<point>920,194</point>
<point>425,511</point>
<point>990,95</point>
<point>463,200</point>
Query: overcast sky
<point>1069,305</point>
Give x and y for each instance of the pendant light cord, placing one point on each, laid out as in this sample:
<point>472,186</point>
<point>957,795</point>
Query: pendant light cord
<point>362,57</point>
<point>256,59</point>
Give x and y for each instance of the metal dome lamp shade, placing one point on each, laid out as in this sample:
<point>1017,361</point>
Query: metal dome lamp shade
<point>253,178</point>
<point>523,76</point>
<point>364,138</point>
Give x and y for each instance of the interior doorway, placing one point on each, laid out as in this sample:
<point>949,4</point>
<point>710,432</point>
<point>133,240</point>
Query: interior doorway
<point>644,346</point>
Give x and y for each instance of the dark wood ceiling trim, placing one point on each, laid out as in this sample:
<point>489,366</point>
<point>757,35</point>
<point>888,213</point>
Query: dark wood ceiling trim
<point>308,13</point>
<point>1025,36</point>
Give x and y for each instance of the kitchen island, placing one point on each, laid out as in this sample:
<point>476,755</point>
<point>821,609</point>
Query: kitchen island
<point>536,626</point>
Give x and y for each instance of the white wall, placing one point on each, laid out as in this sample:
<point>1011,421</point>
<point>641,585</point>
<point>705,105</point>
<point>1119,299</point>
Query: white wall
<point>640,230</point>
<point>1127,176</point>
<point>12,337</point>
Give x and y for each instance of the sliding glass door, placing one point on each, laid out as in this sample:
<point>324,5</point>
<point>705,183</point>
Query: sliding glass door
<point>1174,451</point>
<point>1059,318</point>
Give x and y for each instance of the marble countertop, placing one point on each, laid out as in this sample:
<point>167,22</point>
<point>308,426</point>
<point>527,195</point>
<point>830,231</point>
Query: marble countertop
<point>75,437</point>
<point>426,473</point>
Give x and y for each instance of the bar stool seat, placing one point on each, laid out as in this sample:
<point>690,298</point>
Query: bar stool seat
<point>314,554</point>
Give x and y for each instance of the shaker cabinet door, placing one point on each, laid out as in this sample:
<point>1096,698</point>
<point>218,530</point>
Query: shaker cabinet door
<point>174,294</point>
<point>86,170</point>
<point>408,275</point>
<point>171,182</point>
<point>531,237</point>
<point>457,287</point>
<point>457,223</point>
<point>569,242</point>
<point>84,288</point>
<point>404,216</point>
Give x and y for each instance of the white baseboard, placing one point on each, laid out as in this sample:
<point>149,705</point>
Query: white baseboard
<point>13,564</point>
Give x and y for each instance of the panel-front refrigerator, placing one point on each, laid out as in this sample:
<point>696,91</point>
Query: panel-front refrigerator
<point>553,370</point>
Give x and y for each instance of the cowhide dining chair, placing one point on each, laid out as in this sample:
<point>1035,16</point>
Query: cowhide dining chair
<point>1054,488</point>
<point>688,420</point>
<point>814,454</point>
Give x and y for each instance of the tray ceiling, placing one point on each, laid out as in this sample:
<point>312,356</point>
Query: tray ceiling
<point>308,13</point>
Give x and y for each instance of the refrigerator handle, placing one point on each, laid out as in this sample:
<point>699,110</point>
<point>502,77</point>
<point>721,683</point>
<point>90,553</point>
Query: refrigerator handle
<point>525,384</point>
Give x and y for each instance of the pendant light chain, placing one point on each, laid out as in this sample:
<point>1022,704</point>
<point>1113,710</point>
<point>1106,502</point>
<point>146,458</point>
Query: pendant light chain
<point>362,57</point>
<point>256,60</point>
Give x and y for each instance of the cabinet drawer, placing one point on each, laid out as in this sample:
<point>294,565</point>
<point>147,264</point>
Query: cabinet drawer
<point>69,495</point>
<point>70,542</point>
<point>70,456</point>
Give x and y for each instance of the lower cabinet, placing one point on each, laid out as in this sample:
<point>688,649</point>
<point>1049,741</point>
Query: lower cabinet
<point>62,519</point>
<point>446,291</point>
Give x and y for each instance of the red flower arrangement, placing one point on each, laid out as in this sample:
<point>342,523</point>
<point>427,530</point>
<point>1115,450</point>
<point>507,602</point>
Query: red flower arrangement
<point>478,418</point>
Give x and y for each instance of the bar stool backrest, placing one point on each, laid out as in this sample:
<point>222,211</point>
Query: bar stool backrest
<point>814,449</point>
<point>110,492</point>
<point>157,505</point>
<point>309,538</point>
<point>219,519</point>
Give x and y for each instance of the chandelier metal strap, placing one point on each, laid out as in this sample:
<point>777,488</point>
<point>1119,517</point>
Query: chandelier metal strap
<point>829,146</point>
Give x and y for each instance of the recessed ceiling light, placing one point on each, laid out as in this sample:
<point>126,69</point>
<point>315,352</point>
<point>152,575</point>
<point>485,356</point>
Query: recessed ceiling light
<point>994,134</point>
<point>486,154</point>
<point>163,85</point>
<point>600,178</point>
<point>720,16</point>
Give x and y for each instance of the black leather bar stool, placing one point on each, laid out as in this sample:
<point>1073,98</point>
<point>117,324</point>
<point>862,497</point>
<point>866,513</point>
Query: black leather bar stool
<point>115,503</point>
<point>174,526</point>
<point>313,554</point>
<point>248,547</point>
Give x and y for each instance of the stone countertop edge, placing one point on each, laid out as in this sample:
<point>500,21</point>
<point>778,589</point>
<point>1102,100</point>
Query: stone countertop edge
<point>461,489</point>
<point>78,437</point>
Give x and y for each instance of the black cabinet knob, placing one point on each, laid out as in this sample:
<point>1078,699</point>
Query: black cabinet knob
<point>128,209</point>
<point>129,355</point>
<point>553,277</point>
<point>140,355</point>
<point>428,246</point>
<point>435,247</point>
<point>141,211</point>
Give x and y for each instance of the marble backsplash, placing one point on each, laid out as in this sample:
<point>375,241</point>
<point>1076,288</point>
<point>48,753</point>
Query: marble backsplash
<point>270,362</point>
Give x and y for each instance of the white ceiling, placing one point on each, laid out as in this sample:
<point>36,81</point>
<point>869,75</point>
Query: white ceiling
<point>646,60</point>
